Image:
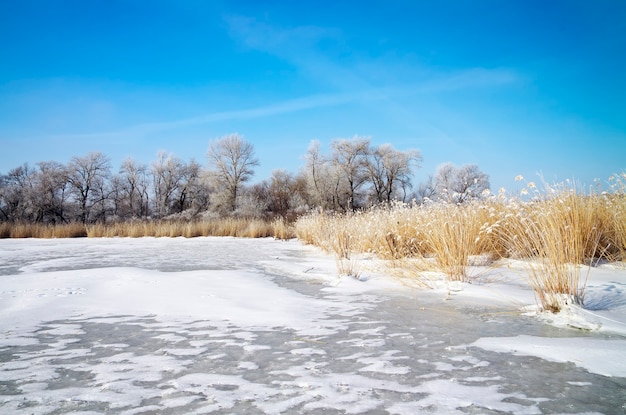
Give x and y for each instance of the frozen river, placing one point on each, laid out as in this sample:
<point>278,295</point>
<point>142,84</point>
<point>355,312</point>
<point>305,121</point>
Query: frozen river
<point>233,326</point>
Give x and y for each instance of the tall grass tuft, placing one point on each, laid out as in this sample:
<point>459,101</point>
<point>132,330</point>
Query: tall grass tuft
<point>618,236</point>
<point>281,229</point>
<point>334,234</point>
<point>5,230</point>
<point>555,236</point>
<point>452,235</point>
<point>616,217</point>
<point>449,234</point>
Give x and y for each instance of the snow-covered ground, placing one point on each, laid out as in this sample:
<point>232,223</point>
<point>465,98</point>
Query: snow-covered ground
<point>225,325</point>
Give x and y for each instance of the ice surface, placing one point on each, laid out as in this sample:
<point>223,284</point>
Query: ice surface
<point>225,325</point>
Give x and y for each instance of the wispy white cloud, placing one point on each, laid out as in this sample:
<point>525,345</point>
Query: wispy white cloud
<point>279,41</point>
<point>476,78</point>
<point>357,82</point>
<point>285,107</point>
<point>471,78</point>
<point>324,57</point>
<point>311,49</point>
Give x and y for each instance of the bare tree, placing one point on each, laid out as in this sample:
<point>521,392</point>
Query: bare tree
<point>232,162</point>
<point>4,193</point>
<point>201,192</point>
<point>312,167</point>
<point>34,195</point>
<point>167,174</point>
<point>471,182</point>
<point>279,191</point>
<point>16,194</point>
<point>286,193</point>
<point>300,199</point>
<point>116,194</point>
<point>51,192</point>
<point>425,190</point>
<point>390,170</point>
<point>460,184</point>
<point>87,177</point>
<point>193,190</point>
<point>350,158</point>
<point>258,198</point>
<point>131,186</point>
<point>444,181</point>
<point>318,176</point>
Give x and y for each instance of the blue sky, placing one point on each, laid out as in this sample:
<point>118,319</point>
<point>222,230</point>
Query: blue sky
<point>517,87</point>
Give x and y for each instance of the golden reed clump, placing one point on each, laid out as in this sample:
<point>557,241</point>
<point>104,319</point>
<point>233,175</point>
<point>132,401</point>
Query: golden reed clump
<point>237,227</point>
<point>37,230</point>
<point>554,231</point>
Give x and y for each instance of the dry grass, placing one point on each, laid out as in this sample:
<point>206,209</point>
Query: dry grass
<point>452,235</point>
<point>281,229</point>
<point>30,230</point>
<point>448,234</point>
<point>333,233</point>
<point>237,227</point>
<point>557,236</point>
<point>556,232</point>
<point>247,228</point>
<point>618,225</point>
<point>615,215</point>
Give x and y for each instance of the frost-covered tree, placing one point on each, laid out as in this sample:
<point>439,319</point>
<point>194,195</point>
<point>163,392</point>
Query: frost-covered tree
<point>349,158</point>
<point>459,184</point>
<point>425,190</point>
<point>4,207</point>
<point>167,174</point>
<point>286,193</point>
<point>193,190</point>
<point>88,176</point>
<point>50,192</point>
<point>16,188</point>
<point>232,162</point>
<point>390,171</point>
<point>339,181</point>
<point>34,194</point>
<point>317,173</point>
<point>131,187</point>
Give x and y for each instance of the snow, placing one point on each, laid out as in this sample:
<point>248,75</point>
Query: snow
<point>592,354</point>
<point>206,325</point>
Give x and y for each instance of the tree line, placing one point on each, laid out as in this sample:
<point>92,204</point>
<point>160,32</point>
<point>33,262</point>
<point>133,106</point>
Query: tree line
<point>353,175</point>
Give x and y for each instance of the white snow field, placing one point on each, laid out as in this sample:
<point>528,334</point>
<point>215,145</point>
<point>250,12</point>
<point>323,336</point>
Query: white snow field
<point>258,326</point>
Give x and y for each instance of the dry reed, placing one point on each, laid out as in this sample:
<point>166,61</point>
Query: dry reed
<point>39,230</point>
<point>332,233</point>
<point>452,235</point>
<point>556,236</point>
<point>554,232</point>
<point>237,227</point>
